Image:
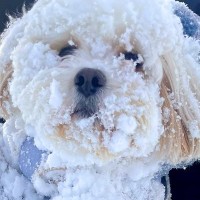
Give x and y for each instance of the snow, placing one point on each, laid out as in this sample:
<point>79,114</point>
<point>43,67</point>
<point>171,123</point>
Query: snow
<point>14,186</point>
<point>114,154</point>
<point>55,100</point>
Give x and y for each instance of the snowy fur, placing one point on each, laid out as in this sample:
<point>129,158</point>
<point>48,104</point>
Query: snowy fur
<point>146,120</point>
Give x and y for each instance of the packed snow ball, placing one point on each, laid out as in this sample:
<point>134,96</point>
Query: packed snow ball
<point>101,99</point>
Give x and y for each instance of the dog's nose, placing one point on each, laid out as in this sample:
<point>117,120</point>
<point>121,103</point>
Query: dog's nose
<point>89,81</point>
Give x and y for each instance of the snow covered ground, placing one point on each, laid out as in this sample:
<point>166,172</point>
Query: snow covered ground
<point>46,150</point>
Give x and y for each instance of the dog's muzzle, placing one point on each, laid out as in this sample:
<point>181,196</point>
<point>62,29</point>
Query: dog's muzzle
<point>89,84</point>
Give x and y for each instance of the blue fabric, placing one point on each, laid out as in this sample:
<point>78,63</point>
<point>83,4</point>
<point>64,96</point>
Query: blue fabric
<point>190,21</point>
<point>29,158</point>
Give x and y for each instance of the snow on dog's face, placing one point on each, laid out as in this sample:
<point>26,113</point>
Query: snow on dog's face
<point>78,78</point>
<point>93,103</point>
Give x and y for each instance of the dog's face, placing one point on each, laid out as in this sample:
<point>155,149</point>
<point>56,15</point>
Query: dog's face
<point>94,102</point>
<point>87,81</point>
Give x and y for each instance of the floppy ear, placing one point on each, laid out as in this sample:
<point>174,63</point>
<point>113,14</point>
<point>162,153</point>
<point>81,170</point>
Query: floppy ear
<point>175,141</point>
<point>5,101</point>
<point>8,41</point>
<point>179,143</point>
<point>180,89</point>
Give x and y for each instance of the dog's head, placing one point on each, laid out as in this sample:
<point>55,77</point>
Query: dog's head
<point>104,81</point>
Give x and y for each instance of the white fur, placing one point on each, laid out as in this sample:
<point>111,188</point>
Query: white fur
<point>42,90</point>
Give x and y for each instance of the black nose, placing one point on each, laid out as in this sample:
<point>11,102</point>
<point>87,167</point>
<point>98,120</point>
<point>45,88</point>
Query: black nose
<point>89,81</point>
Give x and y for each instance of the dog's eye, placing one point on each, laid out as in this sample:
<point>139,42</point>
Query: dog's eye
<point>136,58</point>
<point>2,121</point>
<point>130,56</point>
<point>68,50</point>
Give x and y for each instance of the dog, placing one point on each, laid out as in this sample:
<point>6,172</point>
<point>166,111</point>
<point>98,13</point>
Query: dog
<point>110,90</point>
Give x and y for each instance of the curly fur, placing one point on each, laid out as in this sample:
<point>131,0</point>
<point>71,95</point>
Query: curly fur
<point>102,32</point>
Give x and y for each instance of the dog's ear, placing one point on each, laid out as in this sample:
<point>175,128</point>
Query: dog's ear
<point>177,142</point>
<point>9,39</point>
<point>5,76</point>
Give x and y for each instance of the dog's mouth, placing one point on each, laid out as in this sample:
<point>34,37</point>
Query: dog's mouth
<point>83,113</point>
<point>86,108</point>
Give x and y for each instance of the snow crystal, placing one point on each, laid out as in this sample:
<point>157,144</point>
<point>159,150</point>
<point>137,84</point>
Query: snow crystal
<point>119,142</point>
<point>194,129</point>
<point>56,98</point>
